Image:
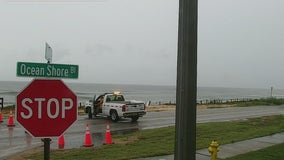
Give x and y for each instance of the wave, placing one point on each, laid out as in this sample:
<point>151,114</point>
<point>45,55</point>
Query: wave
<point>8,92</point>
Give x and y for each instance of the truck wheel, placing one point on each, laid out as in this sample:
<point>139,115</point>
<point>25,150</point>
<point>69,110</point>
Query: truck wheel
<point>90,114</point>
<point>134,119</point>
<point>113,116</point>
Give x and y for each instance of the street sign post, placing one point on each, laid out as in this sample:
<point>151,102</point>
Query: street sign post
<point>46,108</point>
<point>29,69</point>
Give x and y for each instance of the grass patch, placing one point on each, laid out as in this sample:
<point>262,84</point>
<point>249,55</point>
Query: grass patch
<point>261,102</point>
<point>155,142</point>
<point>229,132</point>
<point>271,153</point>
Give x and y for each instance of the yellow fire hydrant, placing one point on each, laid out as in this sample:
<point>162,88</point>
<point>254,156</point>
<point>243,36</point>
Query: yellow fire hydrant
<point>213,149</point>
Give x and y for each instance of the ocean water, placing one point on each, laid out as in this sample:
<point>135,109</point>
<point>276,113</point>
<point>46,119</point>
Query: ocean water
<point>154,93</point>
<point>86,91</point>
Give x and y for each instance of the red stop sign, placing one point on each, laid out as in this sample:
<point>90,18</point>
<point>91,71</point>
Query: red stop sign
<point>46,108</point>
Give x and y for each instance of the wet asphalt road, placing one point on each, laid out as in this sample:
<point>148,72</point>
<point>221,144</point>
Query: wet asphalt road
<point>14,139</point>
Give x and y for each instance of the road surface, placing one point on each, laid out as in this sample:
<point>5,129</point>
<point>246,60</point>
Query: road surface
<point>14,139</point>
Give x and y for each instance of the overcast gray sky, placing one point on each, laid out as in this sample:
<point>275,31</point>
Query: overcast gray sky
<point>240,42</point>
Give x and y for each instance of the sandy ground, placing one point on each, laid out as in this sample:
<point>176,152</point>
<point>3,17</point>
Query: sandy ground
<point>173,107</point>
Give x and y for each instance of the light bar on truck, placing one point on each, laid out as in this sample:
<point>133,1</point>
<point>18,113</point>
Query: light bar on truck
<point>116,92</point>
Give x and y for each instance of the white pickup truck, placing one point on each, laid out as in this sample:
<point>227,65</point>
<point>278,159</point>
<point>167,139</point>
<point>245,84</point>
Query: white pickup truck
<point>113,105</point>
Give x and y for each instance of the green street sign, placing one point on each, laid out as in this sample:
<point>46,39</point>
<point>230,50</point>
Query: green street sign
<point>28,69</point>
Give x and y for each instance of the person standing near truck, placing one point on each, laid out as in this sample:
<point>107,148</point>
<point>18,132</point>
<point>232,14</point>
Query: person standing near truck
<point>98,104</point>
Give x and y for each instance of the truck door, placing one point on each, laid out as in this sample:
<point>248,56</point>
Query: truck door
<point>105,107</point>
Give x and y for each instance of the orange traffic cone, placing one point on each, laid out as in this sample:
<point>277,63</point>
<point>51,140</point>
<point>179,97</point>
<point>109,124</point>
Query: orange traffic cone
<point>11,120</point>
<point>88,138</point>
<point>61,142</point>
<point>1,120</point>
<point>108,139</point>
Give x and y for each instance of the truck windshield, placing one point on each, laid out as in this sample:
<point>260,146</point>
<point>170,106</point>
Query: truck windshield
<point>114,98</point>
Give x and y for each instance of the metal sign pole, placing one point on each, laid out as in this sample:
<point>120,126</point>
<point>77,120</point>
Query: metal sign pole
<point>185,137</point>
<point>48,57</point>
<point>46,148</point>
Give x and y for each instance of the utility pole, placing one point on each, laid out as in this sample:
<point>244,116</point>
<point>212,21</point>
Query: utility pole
<point>185,133</point>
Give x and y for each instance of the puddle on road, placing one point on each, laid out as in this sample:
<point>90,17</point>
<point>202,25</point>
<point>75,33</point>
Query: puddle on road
<point>18,137</point>
<point>10,133</point>
<point>77,141</point>
<point>123,132</point>
<point>14,140</point>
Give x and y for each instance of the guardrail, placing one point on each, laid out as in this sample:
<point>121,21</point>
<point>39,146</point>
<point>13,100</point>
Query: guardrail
<point>1,102</point>
<point>222,101</point>
<point>205,101</point>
